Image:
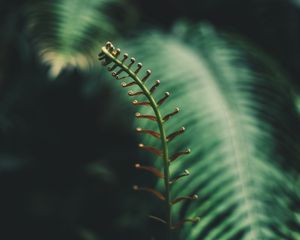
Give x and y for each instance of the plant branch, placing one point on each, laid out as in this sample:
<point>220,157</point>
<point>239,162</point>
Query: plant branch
<point>164,141</point>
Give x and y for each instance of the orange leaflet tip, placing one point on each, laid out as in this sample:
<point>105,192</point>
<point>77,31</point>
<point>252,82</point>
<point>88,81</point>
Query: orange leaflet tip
<point>150,132</point>
<point>132,61</point>
<point>139,67</point>
<point>175,134</point>
<point>167,117</point>
<point>110,48</point>
<point>155,86</point>
<point>108,45</point>
<point>150,117</point>
<point>131,93</point>
<point>136,102</point>
<point>150,169</point>
<point>125,56</point>
<point>148,73</point>
<point>137,165</point>
<point>117,52</point>
<point>195,197</point>
<point>141,145</point>
<point>179,154</point>
<point>161,101</point>
<point>184,174</point>
<point>150,149</point>
<point>180,199</point>
<point>123,84</point>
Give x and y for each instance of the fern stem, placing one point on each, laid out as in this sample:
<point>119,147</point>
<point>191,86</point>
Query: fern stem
<point>163,137</point>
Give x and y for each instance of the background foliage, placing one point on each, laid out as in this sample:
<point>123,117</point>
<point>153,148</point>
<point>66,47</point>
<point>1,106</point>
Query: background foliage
<point>66,131</point>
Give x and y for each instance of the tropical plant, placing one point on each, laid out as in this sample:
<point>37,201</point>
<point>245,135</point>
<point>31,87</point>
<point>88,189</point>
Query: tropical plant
<point>234,80</point>
<point>231,96</point>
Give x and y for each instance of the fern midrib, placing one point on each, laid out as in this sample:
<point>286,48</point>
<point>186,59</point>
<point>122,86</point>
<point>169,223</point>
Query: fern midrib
<point>230,110</point>
<point>162,131</point>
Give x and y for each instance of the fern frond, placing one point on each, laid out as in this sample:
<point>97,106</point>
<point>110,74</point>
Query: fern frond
<point>234,102</point>
<point>67,32</point>
<point>111,57</point>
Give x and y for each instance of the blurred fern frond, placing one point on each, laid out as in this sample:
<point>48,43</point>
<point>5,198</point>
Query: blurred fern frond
<point>236,106</point>
<point>68,32</point>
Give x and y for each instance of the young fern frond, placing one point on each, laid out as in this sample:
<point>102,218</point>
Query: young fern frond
<point>111,57</point>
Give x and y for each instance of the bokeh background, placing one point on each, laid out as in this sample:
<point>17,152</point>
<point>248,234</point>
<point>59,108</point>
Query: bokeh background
<point>67,145</point>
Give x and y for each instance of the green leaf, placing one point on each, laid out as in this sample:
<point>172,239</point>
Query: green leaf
<point>68,32</point>
<point>239,114</point>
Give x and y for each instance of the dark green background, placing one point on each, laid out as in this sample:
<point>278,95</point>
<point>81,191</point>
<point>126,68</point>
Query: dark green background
<point>66,151</point>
